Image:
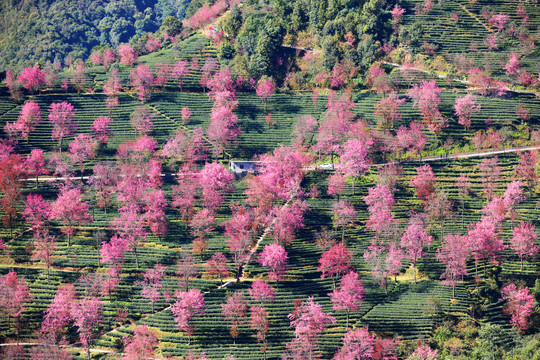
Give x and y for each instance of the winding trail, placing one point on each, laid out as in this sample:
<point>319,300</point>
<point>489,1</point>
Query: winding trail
<point>467,82</point>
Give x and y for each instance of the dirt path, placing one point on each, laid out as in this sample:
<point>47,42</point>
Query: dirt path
<point>467,82</point>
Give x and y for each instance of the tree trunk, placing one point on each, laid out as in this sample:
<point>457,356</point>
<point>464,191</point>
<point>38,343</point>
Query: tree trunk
<point>47,272</point>
<point>69,240</point>
<point>152,307</point>
<point>36,181</point>
<point>347,324</point>
<point>136,258</point>
<point>238,271</point>
<point>353,186</point>
<point>521,268</point>
<point>343,235</point>
<point>454,291</point>
<point>462,213</point>
<point>442,231</point>
<point>414,270</point>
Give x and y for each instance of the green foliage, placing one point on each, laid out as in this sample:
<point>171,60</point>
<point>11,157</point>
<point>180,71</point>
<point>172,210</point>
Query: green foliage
<point>38,31</point>
<point>494,341</point>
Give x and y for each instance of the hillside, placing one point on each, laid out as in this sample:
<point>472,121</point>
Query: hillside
<point>343,106</point>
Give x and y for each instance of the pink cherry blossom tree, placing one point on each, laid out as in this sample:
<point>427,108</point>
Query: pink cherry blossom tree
<point>44,246</point>
<point>29,118</point>
<point>303,130</point>
<point>336,184</point>
<point>334,130</point>
<point>34,164</point>
<point>187,148</point>
<point>127,55</point>
<point>413,242</point>
<point>222,129</point>
<point>380,202</point>
<point>285,220</point>
<point>100,127</point>
<point>280,177</point>
<point>513,64</point>
<point>141,119</point>
<point>375,257</point>
<point>486,243</point>
<point>274,258</point>
<point>82,148</point>
<point>141,79</point>
<point>423,182</point>
<point>14,86</point>
<point>58,315</point>
<point>387,110</point>
<point>61,117</point>
<point>141,345</point>
<point>490,173</point>
<point>344,216</point>
<point>163,72</point>
<point>394,258</point>
<point>522,242</point>
<point>454,252</point>
<point>184,193</point>
<point>235,310</point>
<point>397,14</point>
<point>215,179</point>
<point>71,210</point>
<point>410,139</point>
<point>261,293</point>
<point>519,304</point>
<point>179,72</point>
<point>186,269</point>
<point>465,107</point>
<point>114,250</point>
<point>112,88</point>
<point>189,304</point>
<point>525,168</point>
<point>426,97</point>
<point>36,212</point>
<point>129,228</point>
<point>309,322</point>
<point>186,114</point>
<point>151,284</point>
<point>32,79</point>
<point>353,159</point>
<point>217,265</point>
<point>202,224</point>
<point>108,57</point>
<point>424,352</point>
<point>14,296</point>
<point>259,322</point>
<point>104,182</point>
<point>86,314</point>
<point>335,262</point>
<point>349,295</point>
<point>265,89</point>
<point>357,344</point>
<point>239,237</point>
